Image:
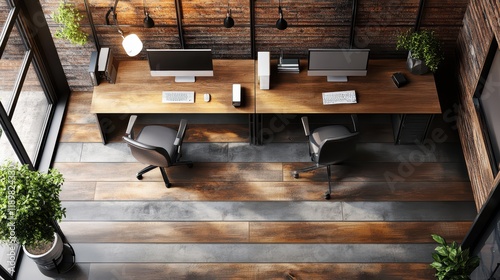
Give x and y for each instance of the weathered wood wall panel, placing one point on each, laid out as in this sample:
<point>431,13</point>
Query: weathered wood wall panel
<point>311,24</point>
<point>480,25</point>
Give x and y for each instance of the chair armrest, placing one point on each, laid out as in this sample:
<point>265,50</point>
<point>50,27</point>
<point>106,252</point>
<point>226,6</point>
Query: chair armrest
<point>305,124</point>
<point>180,133</point>
<point>130,126</point>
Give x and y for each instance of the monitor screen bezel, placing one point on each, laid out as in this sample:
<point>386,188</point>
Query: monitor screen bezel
<point>333,71</point>
<point>204,69</point>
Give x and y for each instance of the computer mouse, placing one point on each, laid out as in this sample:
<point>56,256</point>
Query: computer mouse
<point>206,97</point>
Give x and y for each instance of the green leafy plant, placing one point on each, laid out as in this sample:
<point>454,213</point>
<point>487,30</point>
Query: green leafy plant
<point>422,45</point>
<point>69,17</point>
<point>451,262</point>
<point>29,205</point>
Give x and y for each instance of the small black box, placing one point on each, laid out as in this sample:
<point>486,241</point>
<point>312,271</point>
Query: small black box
<point>399,79</point>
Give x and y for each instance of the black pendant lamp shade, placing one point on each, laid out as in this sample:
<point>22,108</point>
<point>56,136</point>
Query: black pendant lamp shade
<point>281,23</point>
<point>148,21</point>
<point>228,21</point>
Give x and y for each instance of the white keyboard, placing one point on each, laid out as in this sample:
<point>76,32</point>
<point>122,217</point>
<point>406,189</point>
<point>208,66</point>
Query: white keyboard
<point>339,97</point>
<point>177,97</point>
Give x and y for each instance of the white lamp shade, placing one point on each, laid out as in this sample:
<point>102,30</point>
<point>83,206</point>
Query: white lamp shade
<point>132,45</point>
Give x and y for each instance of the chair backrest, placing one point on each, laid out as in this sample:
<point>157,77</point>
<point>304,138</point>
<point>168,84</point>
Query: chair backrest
<point>336,150</point>
<point>148,154</point>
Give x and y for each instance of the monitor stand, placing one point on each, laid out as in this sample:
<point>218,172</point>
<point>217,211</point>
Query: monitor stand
<point>336,79</point>
<point>182,79</point>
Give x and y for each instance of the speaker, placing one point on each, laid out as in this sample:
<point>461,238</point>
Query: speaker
<point>236,95</point>
<point>399,79</point>
<point>107,66</point>
<point>264,69</point>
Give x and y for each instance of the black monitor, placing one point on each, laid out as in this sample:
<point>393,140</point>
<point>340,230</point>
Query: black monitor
<point>183,64</point>
<point>337,64</point>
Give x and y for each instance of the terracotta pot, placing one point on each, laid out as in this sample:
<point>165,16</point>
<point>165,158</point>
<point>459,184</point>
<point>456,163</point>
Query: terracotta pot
<point>46,260</point>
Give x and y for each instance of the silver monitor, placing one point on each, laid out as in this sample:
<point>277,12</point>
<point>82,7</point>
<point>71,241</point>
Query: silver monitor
<point>337,64</point>
<point>183,64</point>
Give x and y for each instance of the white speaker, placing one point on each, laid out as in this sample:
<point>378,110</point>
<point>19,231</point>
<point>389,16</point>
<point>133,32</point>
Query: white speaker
<point>236,95</point>
<point>264,69</point>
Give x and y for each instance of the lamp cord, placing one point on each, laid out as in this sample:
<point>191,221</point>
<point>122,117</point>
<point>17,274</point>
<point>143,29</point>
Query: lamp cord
<point>115,18</point>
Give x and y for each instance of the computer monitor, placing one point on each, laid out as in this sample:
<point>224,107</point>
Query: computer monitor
<point>183,64</point>
<point>337,64</point>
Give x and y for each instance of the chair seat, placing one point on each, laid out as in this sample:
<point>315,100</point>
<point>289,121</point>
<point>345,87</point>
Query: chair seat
<point>159,136</point>
<point>327,132</point>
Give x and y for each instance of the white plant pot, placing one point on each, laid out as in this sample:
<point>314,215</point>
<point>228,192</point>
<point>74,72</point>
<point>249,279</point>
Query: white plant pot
<point>46,260</point>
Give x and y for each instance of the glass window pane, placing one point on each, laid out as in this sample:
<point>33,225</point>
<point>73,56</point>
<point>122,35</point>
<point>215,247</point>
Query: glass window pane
<point>4,13</point>
<point>6,151</point>
<point>30,114</point>
<point>10,65</point>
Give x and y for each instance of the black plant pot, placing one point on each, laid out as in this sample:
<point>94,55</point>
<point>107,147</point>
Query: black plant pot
<point>416,66</point>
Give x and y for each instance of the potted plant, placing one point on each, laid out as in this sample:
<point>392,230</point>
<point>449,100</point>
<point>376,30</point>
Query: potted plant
<point>451,262</point>
<point>69,17</point>
<point>424,50</point>
<point>29,208</point>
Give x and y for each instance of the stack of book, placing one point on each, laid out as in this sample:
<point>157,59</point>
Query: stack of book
<point>288,65</point>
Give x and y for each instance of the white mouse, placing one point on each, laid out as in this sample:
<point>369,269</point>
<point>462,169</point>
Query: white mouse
<point>206,97</point>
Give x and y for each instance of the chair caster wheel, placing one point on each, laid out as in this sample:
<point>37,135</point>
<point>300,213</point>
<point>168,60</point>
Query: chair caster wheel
<point>139,177</point>
<point>190,165</point>
<point>327,196</point>
<point>168,185</point>
<point>295,175</point>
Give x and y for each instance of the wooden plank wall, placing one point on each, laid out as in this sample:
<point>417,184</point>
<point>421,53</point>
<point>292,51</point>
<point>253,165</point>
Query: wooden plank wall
<point>480,28</point>
<point>311,23</point>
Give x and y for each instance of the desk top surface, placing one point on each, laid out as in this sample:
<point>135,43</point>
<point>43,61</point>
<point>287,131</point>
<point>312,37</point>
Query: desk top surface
<point>292,93</point>
<point>137,92</point>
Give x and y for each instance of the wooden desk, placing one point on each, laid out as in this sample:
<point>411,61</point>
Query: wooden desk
<point>411,106</point>
<point>137,92</point>
<point>297,93</point>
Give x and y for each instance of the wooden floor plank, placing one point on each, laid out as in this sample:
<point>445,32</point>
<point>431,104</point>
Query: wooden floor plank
<point>288,271</point>
<point>355,232</point>
<point>201,172</point>
<point>391,172</point>
<point>71,190</point>
<point>155,232</point>
<point>290,191</point>
<point>78,110</point>
<point>262,232</point>
<point>73,133</point>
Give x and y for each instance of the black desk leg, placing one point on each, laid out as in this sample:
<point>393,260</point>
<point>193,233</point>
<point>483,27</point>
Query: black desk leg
<point>102,122</point>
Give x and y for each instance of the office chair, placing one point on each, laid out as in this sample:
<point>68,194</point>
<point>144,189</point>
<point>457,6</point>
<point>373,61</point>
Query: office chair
<point>157,146</point>
<point>329,145</point>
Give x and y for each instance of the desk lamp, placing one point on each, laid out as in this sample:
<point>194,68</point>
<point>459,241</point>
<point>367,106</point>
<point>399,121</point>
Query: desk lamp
<point>131,43</point>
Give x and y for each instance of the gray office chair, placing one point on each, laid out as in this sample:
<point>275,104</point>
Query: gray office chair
<point>157,146</point>
<point>329,145</point>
